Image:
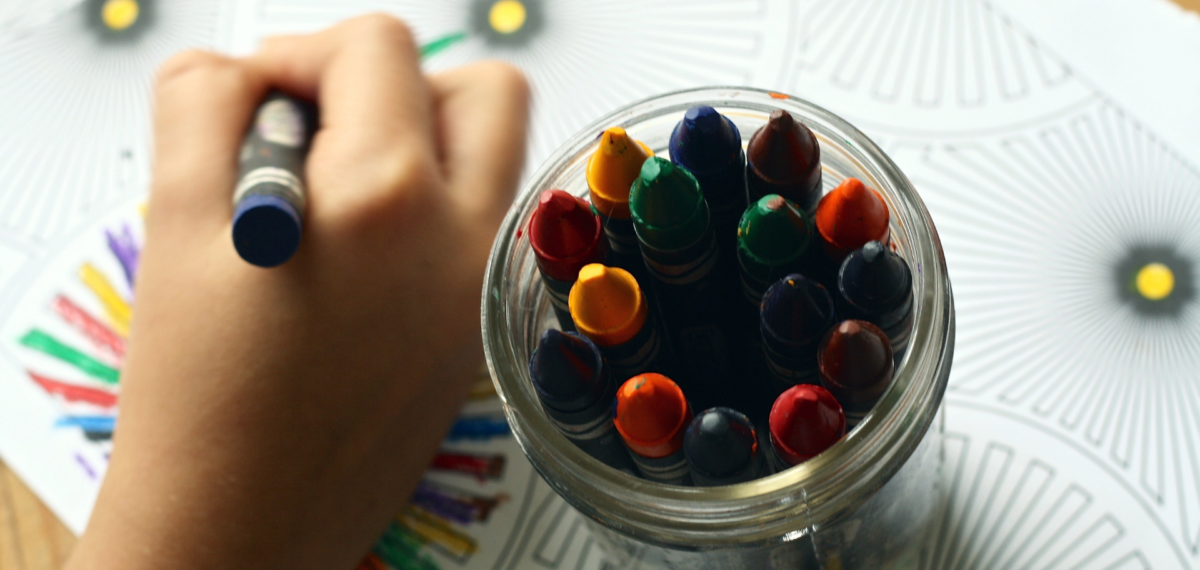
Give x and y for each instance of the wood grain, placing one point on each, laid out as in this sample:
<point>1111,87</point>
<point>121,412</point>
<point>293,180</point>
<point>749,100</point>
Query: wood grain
<point>32,538</point>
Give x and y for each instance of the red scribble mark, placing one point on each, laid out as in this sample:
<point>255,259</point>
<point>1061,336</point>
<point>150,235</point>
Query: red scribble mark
<point>75,392</point>
<point>481,466</point>
<point>91,327</point>
<point>775,95</point>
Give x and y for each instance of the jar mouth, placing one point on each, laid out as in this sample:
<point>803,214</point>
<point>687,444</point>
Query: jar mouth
<point>783,506</point>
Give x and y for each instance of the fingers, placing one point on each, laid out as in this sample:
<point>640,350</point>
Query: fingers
<point>482,113</point>
<point>203,103</point>
<point>365,75</point>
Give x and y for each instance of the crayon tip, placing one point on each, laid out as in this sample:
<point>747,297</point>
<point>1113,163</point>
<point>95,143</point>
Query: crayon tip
<point>565,234</point>
<point>720,442</point>
<point>773,231</point>
<point>855,360</point>
<point>805,421</point>
<point>565,369</point>
<point>797,310</point>
<point>705,140</point>
<point>667,205</point>
<point>849,217</point>
<point>875,278</point>
<point>783,151</point>
<point>652,415</point>
<point>266,230</point>
<point>612,169</point>
<point>607,304</point>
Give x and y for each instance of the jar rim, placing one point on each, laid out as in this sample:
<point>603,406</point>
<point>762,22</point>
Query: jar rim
<point>783,506</point>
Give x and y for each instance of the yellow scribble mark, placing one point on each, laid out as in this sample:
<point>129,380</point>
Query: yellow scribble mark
<point>507,16</point>
<point>119,14</point>
<point>1155,281</point>
<point>119,312</point>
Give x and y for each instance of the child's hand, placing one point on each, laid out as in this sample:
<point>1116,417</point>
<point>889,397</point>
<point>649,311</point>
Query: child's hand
<point>279,417</point>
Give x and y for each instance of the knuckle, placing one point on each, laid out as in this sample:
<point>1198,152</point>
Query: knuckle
<point>187,63</point>
<point>196,72</point>
<point>504,77</point>
<point>381,26</point>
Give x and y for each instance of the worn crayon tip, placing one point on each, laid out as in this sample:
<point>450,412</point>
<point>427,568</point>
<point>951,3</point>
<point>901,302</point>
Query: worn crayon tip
<point>612,169</point>
<point>783,151</point>
<point>850,216</point>
<point>805,421</point>
<point>652,415</point>
<point>705,140</point>
<point>773,231</point>
<point>875,278</point>
<point>607,304</point>
<point>796,310</point>
<point>667,205</point>
<point>720,442</point>
<point>565,367</point>
<point>565,234</point>
<point>855,361</point>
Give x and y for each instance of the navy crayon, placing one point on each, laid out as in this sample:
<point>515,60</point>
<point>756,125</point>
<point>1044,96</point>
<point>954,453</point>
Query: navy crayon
<point>708,145</point>
<point>721,446</point>
<point>875,285</point>
<point>652,416</point>
<point>270,197</point>
<point>577,392</point>
<point>565,236</point>
<point>796,313</point>
<point>694,286</point>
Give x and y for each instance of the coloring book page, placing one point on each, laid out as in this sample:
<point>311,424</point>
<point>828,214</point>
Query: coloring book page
<point>1056,147</point>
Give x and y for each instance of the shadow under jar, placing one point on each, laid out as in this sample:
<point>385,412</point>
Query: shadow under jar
<point>866,502</point>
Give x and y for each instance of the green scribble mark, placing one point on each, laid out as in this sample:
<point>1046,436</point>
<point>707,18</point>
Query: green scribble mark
<point>43,342</point>
<point>440,44</point>
<point>402,550</point>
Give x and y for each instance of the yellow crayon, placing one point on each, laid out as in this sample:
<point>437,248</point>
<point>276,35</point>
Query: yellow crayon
<point>118,311</point>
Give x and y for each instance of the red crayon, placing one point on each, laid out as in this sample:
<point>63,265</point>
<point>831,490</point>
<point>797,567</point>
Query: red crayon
<point>652,418</point>
<point>855,361</point>
<point>565,236</point>
<point>850,216</point>
<point>805,421</point>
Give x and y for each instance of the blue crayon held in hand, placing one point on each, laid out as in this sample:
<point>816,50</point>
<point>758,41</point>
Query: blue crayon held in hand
<point>796,313</point>
<point>576,390</point>
<point>722,448</point>
<point>708,145</point>
<point>875,285</point>
<point>270,197</point>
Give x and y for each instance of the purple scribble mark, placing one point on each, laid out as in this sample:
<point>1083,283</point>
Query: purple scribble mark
<point>919,267</point>
<point>126,250</point>
<point>86,468</point>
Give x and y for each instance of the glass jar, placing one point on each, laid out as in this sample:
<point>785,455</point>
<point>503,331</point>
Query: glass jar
<point>866,502</point>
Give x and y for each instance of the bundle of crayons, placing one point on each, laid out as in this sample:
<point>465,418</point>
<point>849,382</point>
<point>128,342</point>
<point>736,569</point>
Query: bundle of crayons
<point>763,297</point>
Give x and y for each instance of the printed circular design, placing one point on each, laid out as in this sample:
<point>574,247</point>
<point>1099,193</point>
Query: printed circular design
<point>909,67</point>
<point>77,128</point>
<point>583,58</point>
<point>1072,246</point>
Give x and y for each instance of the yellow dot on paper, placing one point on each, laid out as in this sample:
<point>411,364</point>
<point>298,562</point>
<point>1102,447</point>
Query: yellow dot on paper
<point>1155,281</point>
<point>119,14</point>
<point>507,16</point>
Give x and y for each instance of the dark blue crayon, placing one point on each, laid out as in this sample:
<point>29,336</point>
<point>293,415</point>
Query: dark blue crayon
<point>796,312</point>
<point>709,146</point>
<point>480,427</point>
<point>576,390</point>
<point>722,448</point>
<point>270,197</point>
<point>695,286</point>
<point>875,285</point>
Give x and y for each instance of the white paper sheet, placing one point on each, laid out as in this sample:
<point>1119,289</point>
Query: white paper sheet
<point>1073,417</point>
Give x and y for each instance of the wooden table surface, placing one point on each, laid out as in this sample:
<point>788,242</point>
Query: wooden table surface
<point>32,538</point>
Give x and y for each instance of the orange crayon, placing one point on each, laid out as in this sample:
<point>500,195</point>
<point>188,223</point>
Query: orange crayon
<point>608,307</point>
<point>849,217</point>
<point>611,171</point>
<point>652,417</point>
